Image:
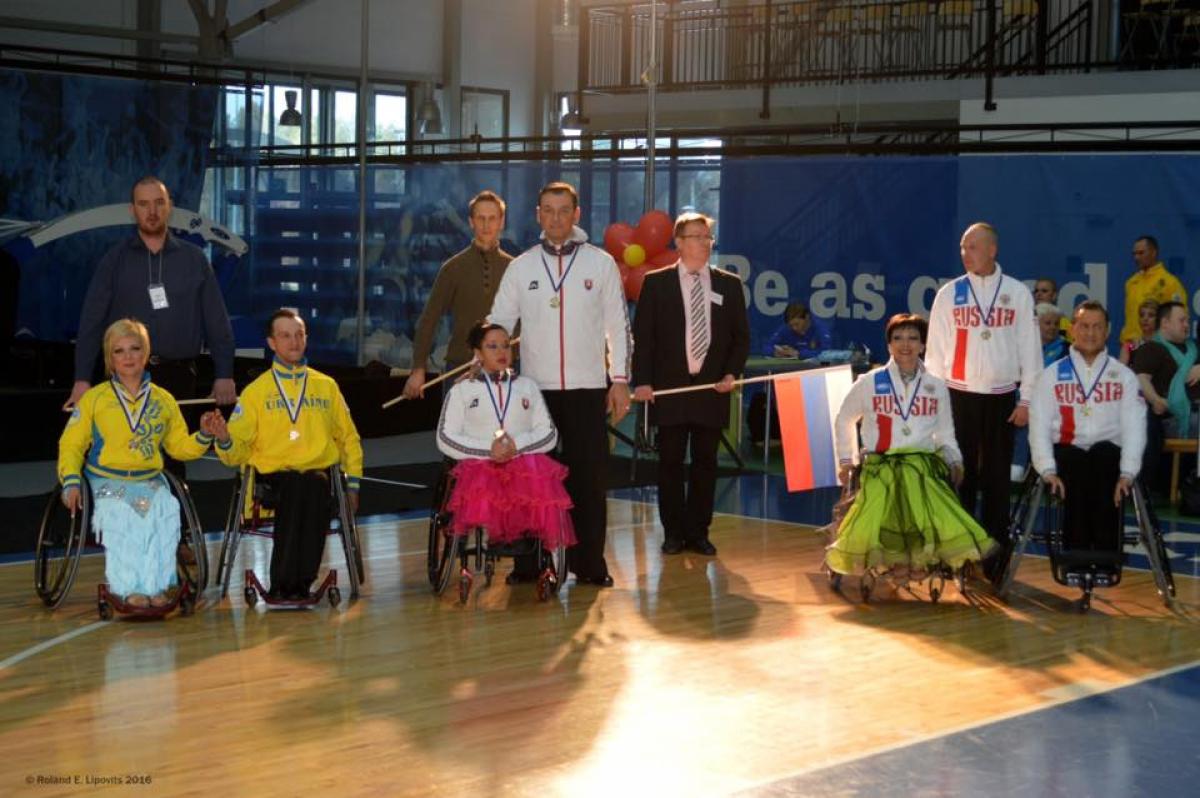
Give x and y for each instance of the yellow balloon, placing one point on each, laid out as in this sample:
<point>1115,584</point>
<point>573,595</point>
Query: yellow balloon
<point>635,255</point>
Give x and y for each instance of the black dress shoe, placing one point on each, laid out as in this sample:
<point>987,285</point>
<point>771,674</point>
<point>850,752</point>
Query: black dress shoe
<point>602,581</point>
<point>702,547</point>
<point>672,546</point>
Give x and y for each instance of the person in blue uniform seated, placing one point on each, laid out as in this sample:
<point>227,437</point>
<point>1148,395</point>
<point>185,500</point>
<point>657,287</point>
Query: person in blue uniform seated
<point>1087,432</point>
<point>121,427</point>
<point>801,335</point>
<point>690,329</point>
<point>905,514</point>
<point>496,425</point>
<point>291,425</point>
<point>1054,344</point>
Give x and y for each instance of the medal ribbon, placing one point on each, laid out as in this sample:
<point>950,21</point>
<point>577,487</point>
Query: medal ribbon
<point>546,266</point>
<point>294,416</point>
<point>975,299</point>
<point>1087,393</point>
<point>904,415</point>
<point>500,408</point>
<point>127,408</point>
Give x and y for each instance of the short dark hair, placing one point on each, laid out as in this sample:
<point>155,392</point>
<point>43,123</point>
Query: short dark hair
<point>1165,309</point>
<point>146,180</point>
<point>559,187</point>
<point>1091,304</point>
<point>795,309</point>
<point>1053,285</point>
<point>486,196</point>
<point>479,332</point>
<point>283,313</point>
<point>902,320</point>
<point>1151,240</point>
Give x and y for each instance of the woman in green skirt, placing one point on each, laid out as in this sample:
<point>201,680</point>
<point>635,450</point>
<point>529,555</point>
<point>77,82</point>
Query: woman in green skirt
<point>905,514</point>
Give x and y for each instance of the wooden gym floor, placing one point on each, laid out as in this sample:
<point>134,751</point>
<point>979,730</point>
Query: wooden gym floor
<point>694,676</point>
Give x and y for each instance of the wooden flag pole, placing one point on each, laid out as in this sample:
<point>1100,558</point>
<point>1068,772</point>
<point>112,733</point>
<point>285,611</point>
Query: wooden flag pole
<point>451,373</point>
<point>747,381</point>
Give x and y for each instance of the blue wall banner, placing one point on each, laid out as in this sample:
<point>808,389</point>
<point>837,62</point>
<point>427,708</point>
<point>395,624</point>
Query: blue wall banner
<point>864,238</point>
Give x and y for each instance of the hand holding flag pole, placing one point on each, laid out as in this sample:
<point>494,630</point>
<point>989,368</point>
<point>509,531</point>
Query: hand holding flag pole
<point>451,373</point>
<point>748,381</point>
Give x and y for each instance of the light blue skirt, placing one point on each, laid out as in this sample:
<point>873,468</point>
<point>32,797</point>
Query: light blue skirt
<point>137,522</point>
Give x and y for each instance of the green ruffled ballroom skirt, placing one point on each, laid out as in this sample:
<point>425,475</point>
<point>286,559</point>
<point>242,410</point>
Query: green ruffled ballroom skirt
<point>905,514</point>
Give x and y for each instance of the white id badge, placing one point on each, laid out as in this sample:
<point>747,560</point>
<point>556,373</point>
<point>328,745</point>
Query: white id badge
<point>715,298</point>
<point>158,297</point>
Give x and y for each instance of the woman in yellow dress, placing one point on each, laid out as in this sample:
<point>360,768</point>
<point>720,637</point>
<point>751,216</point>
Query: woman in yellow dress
<point>116,433</point>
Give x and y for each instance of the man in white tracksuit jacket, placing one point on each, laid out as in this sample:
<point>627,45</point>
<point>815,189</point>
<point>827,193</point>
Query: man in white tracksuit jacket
<point>1087,431</point>
<point>575,343</point>
<point>984,342</point>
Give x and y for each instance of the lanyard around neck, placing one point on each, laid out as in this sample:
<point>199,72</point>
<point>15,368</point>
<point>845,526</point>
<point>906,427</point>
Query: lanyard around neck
<point>293,412</point>
<point>912,400</point>
<point>499,406</point>
<point>127,408</point>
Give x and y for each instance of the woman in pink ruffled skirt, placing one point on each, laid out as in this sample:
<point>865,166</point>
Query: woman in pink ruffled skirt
<point>495,424</point>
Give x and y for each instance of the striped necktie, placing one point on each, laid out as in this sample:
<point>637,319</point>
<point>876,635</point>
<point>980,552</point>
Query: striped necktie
<point>698,345</point>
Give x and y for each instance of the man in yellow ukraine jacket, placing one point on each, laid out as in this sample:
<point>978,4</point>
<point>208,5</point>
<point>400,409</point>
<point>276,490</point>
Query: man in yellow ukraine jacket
<point>291,424</point>
<point>1150,281</point>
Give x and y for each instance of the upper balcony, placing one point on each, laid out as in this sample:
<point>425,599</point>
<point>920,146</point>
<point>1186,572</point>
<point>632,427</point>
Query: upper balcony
<point>764,44</point>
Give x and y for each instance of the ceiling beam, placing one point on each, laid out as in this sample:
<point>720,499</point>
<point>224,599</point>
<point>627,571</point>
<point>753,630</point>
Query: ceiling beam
<point>266,14</point>
<point>99,31</point>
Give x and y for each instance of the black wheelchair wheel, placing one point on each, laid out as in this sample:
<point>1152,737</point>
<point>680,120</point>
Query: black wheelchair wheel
<point>449,554</point>
<point>194,573</point>
<point>439,522</point>
<point>233,518</point>
<point>59,547</point>
<point>351,542</point>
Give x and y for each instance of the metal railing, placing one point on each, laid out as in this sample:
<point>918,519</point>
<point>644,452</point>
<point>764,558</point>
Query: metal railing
<point>822,41</point>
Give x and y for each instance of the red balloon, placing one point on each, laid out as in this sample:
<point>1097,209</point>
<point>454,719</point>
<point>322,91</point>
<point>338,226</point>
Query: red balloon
<point>665,258</point>
<point>617,236</point>
<point>653,232</point>
<point>633,284</point>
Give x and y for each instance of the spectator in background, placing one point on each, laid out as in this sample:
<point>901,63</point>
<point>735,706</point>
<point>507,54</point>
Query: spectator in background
<point>800,335</point>
<point>1046,290</point>
<point>1170,380</point>
<point>1150,281</point>
<point>1148,323</point>
<point>1054,345</point>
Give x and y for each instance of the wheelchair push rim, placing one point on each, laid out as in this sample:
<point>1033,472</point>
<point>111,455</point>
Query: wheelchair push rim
<point>59,547</point>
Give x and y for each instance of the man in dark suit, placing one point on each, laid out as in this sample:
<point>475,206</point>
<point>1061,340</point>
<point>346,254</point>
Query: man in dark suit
<point>690,328</point>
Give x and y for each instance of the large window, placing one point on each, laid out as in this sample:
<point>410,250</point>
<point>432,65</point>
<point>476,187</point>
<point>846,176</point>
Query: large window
<point>484,112</point>
<point>391,118</point>
<point>345,114</point>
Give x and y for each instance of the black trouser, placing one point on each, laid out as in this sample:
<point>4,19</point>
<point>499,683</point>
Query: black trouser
<point>302,513</point>
<point>1091,522</point>
<point>687,519</point>
<point>580,416</point>
<point>985,437</point>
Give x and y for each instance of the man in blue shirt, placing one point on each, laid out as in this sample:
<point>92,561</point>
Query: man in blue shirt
<point>168,285</point>
<point>800,335</point>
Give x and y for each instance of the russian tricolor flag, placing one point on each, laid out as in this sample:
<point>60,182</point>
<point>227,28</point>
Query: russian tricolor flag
<point>808,402</point>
